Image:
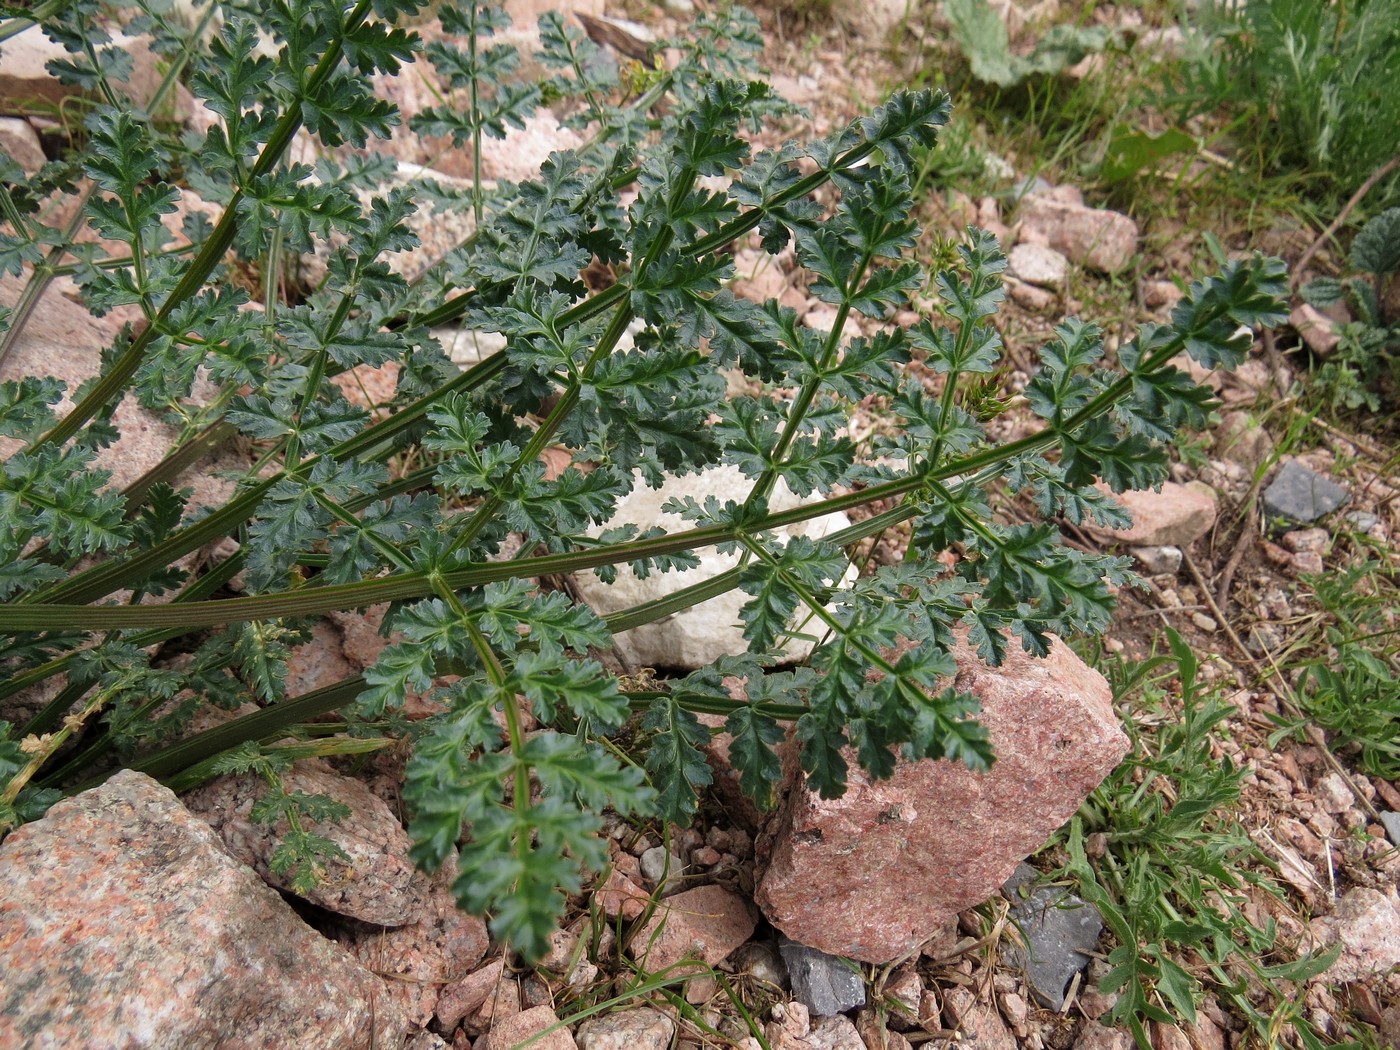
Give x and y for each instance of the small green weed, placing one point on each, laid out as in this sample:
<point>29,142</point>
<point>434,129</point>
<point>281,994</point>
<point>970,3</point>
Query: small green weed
<point>1352,688</point>
<point>1364,369</point>
<point>1171,868</point>
<point>1320,81</point>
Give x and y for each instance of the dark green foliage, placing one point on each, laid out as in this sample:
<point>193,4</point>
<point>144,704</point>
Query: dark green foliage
<point>1363,371</point>
<point>413,504</point>
<point>1322,80</point>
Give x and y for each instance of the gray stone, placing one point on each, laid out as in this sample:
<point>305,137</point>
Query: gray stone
<point>1058,929</point>
<point>1391,821</point>
<point>1299,494</point>
<point>654,865</point>
<point>1158,561</point>
<point>126,924</point>
<point>1362,521</point>
<point>825,984</point>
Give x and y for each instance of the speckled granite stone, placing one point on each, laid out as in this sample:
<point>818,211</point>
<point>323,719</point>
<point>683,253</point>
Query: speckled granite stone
<point>124,923</point>
<point>373,885</point>
<point>875,874</point>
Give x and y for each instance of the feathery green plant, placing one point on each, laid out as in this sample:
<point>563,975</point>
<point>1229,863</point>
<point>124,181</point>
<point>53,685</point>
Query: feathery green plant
<point>1170,873</point>
<point>1363,370</point>
<point>1320,79</point>
<point>343,510</point>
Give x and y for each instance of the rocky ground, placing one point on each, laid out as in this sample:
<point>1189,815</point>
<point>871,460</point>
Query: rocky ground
<point>125,906</point>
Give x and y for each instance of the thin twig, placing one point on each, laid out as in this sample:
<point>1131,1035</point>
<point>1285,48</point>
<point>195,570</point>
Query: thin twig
<point>1242,543</point>
<point>1275,360</point>
<point>1336,224</point>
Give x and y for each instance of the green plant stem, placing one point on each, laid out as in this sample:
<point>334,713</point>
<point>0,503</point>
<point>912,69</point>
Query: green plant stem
<point>49,615</point>
<point>110,386</point>
<point>45,747</point>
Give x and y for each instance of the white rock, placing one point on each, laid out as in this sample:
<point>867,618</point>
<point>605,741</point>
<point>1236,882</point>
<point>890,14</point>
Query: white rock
<point>1038,264</point>
<point>704,632</point>
<point>1158,561</point>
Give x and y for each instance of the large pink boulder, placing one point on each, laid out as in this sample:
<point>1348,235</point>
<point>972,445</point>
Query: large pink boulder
<point>124,923</point>
<point>882,870</point>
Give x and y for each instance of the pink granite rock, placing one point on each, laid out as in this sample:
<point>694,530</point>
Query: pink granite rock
<point>878,872</point>
<point>1315,328</point>
<point>373,885</point>
<point>707,922</point>
<point>1175,517</point>
<point>640,1028</point>
<point>469,994</point>
<point>425,957</point>
<point>1093,237</point>
<point>1366,923</point>
<point>26,85</point>
<point>979,1025</point>
<point>125,924</point>
<point>21,142</point>
<point>619,895</point>
<point>528,1024</point>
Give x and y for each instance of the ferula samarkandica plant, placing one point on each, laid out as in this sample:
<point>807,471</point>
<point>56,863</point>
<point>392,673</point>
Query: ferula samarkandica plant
<point>342,509</point>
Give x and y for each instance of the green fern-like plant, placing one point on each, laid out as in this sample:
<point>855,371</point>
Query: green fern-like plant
<point>1364,369</point>
<point>413,506</point>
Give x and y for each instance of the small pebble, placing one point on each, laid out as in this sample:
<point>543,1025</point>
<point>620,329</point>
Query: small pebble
<point>1307,563</point>
<point>1158,561</point>
<point>1361,520</point>
<point>706,857</point>
<point>654,864</point>
<point>1204,622</point>
<point>1301,541</point>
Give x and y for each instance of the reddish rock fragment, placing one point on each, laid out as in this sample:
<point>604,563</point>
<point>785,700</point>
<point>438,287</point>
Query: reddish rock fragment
<point>619,895</point>
<point>707,922</point>
<point>1093,237</point>
<point>468,995</point>
<point>876,873</point>
<point>1366,923</point>
<point>126,924</point>
<point>1176,516</point>
<point>527,1024</point>
<point>423,956</point>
